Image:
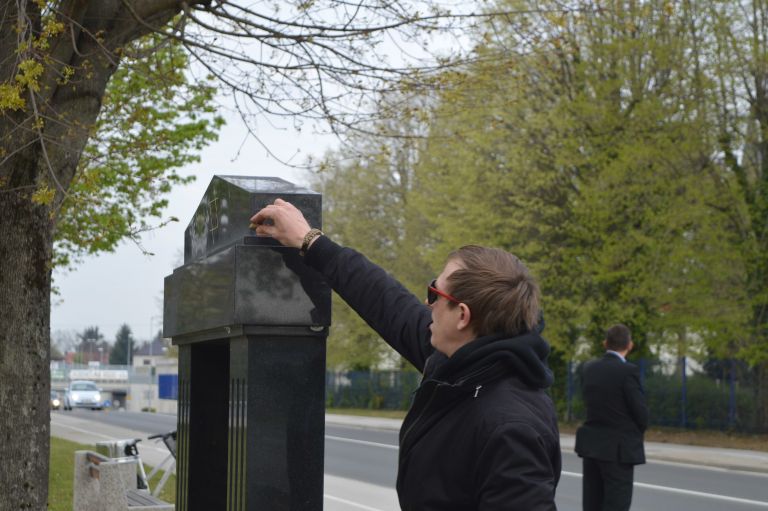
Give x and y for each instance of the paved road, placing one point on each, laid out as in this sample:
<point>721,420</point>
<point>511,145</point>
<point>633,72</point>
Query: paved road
<point>371,455</point>
<point>360,468</point>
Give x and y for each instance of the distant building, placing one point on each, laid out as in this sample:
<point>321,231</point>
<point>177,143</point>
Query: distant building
<point>151,365</point>
<point>87,352</point>
<point>150,353</point>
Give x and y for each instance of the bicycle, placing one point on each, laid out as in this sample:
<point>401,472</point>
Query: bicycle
<point>128,448</point>
<point>169,439</point>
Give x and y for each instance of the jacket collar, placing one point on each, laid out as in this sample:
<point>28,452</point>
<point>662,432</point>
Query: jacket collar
<point>610,354</point>
<point>524,356</point>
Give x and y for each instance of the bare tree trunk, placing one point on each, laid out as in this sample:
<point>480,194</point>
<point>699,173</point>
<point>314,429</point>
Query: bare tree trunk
<point>25,289</point>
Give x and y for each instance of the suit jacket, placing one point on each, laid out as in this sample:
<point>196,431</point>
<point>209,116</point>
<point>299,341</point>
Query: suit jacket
<point>617,414</point>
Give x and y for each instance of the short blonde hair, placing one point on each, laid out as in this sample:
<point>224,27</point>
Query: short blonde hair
<point>499,290</point>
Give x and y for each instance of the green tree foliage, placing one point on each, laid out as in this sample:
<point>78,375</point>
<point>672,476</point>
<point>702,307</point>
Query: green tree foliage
<point>367,186</point>
<point>589,142</point>
<point>733,54</point>
<point>153,121</point>
<point>122,350</point>
<point>600,182</point>
<point>91,347</point>
<point>91,334</point>
<point>737,59</point>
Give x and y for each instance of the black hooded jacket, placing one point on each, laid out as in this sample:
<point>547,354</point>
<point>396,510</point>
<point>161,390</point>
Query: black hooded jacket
<point>481,433</point>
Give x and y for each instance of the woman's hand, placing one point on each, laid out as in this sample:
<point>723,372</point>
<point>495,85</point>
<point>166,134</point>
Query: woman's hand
<point>282,221</point>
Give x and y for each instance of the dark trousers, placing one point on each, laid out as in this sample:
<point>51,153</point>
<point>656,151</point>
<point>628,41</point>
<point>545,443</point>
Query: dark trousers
<point>606,485</point>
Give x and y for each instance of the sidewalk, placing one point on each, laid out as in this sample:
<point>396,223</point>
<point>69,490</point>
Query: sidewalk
<point>83,431</point>
<point>732,459</point>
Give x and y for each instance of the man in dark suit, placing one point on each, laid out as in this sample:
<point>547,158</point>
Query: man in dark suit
<point>610,441</point>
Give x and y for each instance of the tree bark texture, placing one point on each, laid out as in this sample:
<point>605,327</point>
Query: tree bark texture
<point>40,148</point>
<point>25,289</point>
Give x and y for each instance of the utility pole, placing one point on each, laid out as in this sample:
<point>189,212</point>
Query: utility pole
<point>91,341</point>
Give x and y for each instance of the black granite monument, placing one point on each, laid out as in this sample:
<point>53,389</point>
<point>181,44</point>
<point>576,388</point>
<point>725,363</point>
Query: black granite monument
<point>251,321</point>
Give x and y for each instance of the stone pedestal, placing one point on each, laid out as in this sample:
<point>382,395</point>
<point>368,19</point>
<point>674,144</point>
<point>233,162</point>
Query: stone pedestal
<point>251,321</point>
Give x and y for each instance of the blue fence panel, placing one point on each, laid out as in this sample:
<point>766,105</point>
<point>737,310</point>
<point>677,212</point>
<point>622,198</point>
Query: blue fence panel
<point>710,394</point>
<point>388,390</point>
<point>168,386</point>
<point>719,394</point>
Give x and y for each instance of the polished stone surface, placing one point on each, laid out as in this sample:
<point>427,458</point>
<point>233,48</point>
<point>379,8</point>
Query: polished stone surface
<point>251,423</point>
<point>245,285</point>
<point>223,216</point>
<point>284,428</point>
<point>231,277</point>
<point>250,319</point>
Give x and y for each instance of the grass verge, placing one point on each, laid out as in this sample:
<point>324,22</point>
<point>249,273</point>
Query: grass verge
<point>365,412</point>
<point>702,438</point>
<point>61,475</point>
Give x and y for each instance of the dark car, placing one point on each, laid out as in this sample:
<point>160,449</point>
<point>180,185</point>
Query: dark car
<point>55,400</point>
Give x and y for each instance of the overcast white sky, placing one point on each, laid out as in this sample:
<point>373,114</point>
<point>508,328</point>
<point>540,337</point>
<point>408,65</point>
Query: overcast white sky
<point>126,286</point>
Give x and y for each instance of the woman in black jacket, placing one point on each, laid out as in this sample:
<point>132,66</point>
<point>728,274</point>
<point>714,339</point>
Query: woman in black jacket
<point>481,433</point>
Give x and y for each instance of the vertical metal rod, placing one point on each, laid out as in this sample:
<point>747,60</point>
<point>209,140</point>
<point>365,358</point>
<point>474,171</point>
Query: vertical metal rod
<point>683,394</point>
<point>569,390</point>
<point>732,396</point>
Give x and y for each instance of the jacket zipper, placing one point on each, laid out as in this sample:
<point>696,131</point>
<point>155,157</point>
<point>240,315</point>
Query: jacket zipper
<point>421,414</point>
<point>429,401</point>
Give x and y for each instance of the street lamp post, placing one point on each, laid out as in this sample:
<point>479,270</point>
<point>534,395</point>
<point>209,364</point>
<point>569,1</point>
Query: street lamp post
<point>150,391</point>
<point>152,322</point>
<point>91,341</point>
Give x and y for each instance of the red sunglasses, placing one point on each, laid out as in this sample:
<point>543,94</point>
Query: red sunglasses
<point>433,293</point>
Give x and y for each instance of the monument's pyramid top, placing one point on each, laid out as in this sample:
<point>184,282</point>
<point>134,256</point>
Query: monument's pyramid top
<point>222,218</point>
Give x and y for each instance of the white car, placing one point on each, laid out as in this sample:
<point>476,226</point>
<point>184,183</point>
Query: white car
<point>83,394</point>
